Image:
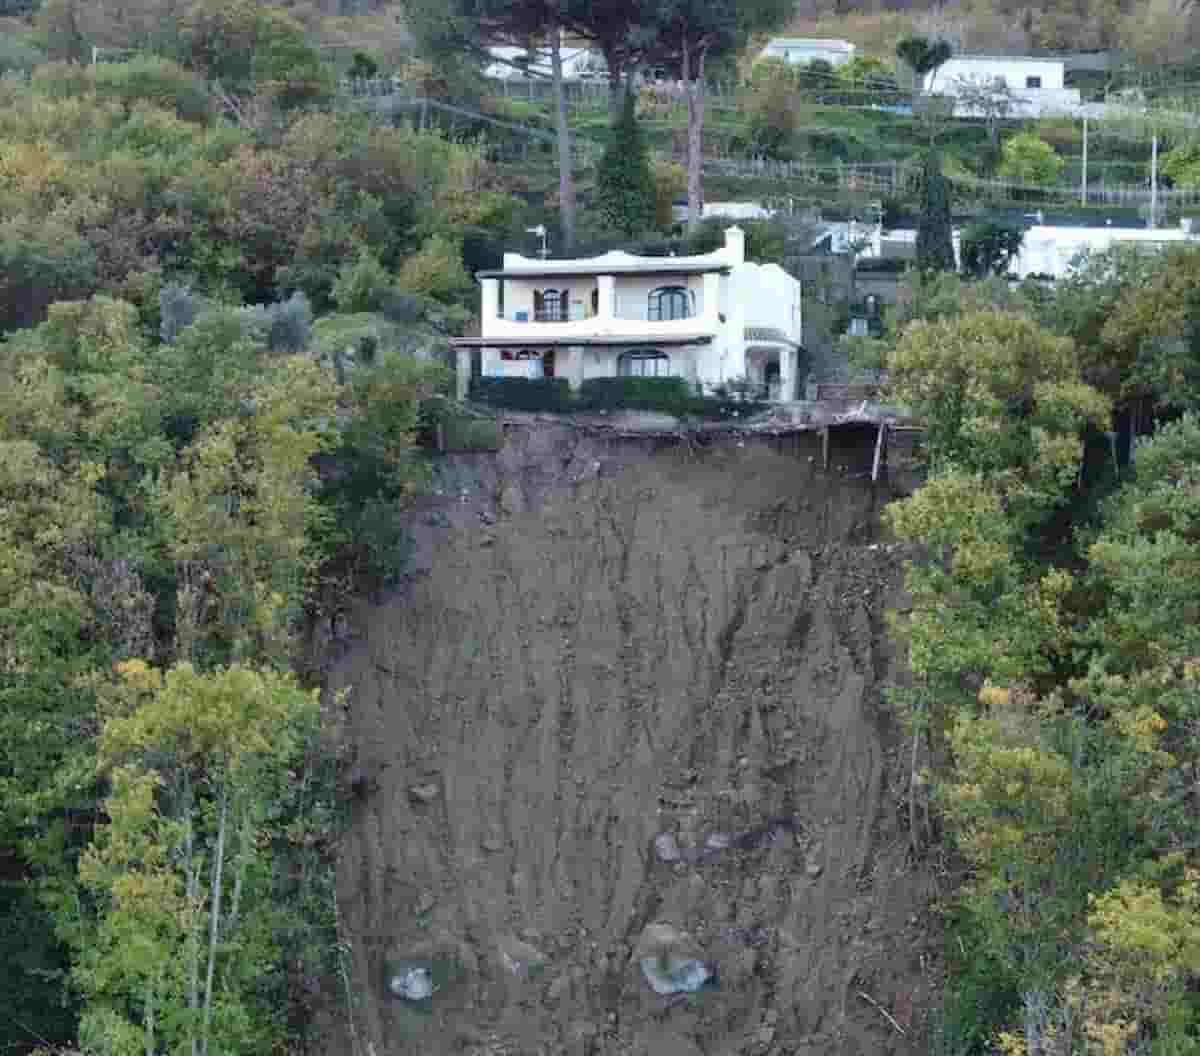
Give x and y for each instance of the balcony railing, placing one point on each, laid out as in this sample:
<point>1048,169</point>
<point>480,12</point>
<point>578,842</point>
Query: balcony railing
<point>627,312</point>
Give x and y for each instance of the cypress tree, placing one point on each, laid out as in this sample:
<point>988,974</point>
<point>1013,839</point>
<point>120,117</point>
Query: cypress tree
<point>935,242</point>
<point>624,182</point>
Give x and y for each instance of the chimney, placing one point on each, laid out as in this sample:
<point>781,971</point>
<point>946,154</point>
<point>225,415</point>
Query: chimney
<point>735,244</point>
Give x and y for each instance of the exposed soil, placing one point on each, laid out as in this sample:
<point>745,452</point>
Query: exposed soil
<point>599,644</point>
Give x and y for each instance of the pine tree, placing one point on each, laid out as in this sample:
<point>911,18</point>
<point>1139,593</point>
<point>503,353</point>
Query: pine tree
<point>935,243</point>
<point>624,182</point>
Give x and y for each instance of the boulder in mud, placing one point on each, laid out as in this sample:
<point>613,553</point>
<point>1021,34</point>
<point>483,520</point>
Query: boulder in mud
<point>671,961</point>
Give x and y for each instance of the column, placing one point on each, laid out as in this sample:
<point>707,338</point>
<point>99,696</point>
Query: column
<point>787,374</point>
<point>711,306</point>
<point>573,368</point>
<point>490,307</point>
<point>606,296</point>
<point>462,372</point>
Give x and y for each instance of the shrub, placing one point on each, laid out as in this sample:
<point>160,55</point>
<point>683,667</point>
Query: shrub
<point>153,80</point>
<point>16,55</point>
<point>988,248</point>
<point>459,431</point>
<point>178,308</point>
<point>524,394</point>
<point>672,395</point>
<point>287,326</point>
<point>361,284</point>
<point>1027,159</point>
<point>290,323</point>
<point>670,182</point>
<point>436,271</point>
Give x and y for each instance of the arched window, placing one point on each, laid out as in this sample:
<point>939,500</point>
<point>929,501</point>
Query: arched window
<point>644,363</point>
<point>550,306</point>
<point>669,302</point>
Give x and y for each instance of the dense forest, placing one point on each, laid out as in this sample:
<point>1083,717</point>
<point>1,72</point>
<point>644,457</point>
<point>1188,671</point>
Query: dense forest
<point>1053,684</point>
<point>194,468</point>
<point>222,300</point>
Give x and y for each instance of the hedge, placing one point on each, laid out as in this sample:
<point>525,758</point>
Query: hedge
<point>668,395</point>
<point>672,395</point>
<point>524,394</point>
<point>887,265</point>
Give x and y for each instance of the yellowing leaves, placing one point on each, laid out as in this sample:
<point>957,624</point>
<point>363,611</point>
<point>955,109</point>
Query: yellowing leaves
<point>218,719</point>
<point>31,172</point>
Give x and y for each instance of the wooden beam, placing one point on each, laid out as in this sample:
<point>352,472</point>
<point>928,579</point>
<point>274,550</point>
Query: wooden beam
<point>825,448</point>
<point>880,443</point>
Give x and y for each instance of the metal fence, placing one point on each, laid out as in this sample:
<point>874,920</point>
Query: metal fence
<point>893,177</point>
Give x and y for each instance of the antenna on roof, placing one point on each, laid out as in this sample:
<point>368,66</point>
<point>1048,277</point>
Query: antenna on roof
<point>540,231</point>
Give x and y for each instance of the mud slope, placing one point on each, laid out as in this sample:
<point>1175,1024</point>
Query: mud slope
<point>598,645</point>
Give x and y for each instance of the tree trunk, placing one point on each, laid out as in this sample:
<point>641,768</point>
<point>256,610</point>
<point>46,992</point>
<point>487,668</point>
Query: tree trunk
<point>215,922</point>
<point>566,179</point>
<point>617,86</point>
<point>913,837</point>
<point>192,874</point>
<point>245,855</point>
<point>695,88</point>
<point>149,1021</point>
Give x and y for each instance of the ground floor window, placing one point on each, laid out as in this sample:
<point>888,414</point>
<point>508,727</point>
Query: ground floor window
<point>644,363</point>
<point>540,361</point>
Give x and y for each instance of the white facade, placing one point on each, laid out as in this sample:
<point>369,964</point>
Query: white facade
<point>799,50</point>
<point>1032,86</point>
<point>1050,250</point>
<point>577,63</point>
<point>710,319</point>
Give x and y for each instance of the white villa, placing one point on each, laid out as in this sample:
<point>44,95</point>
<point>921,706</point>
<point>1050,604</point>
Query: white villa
<point>710,319</point>
<point>797,50</point>
<point>1048,250</point>
<point>1033,86</point>
<point>515,63</point>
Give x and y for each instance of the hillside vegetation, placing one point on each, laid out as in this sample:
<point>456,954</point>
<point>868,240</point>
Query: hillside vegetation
<point>224,298</point>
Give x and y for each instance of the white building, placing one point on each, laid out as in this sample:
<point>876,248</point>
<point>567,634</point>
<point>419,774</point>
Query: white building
<point>1048,250</point>
<point>725,211</point>
<point>513,62</point>
<point>710,319</point>
<point>800,50</point>
<point>1033,87</point>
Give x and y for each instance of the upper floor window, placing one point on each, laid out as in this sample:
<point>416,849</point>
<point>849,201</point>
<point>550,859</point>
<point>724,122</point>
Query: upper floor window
<point>550,306</point>
<point>669,302</point>
<point>1033,82</point>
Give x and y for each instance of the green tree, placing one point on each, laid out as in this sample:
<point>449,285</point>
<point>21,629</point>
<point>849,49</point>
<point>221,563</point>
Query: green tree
<point>989,248</point>
<point>251,49</point>
<point>693,33</point>
<point>1026,159</point>
<point>922,56</point>
<point>935,241</point>
<point>173,874</point>
<point>1182,165</point>
<point>436,271</point>
<point>624,182</point>
<point>238,514</point>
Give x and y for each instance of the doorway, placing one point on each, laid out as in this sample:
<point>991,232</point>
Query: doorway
<point>548,363</point>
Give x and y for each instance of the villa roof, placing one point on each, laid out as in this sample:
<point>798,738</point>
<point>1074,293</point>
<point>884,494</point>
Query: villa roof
<point>597,341</point>
<point>616,262</point>
<point>811,42</point>
<point>970,57</point>
<point>769,333</point>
